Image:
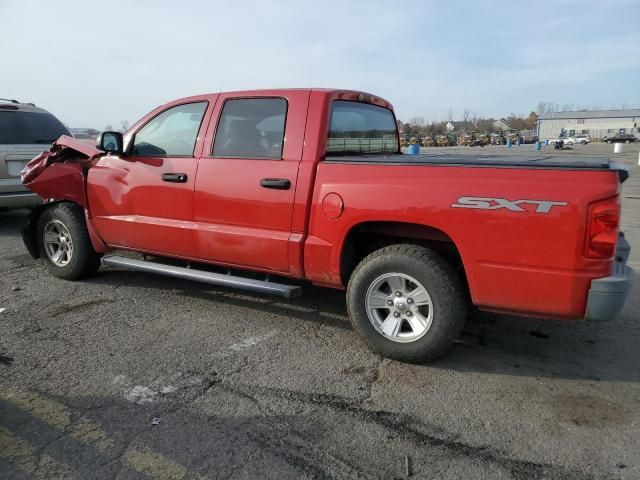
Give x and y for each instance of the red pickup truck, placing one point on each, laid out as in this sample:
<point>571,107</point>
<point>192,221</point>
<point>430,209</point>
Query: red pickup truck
<point>311,184</point>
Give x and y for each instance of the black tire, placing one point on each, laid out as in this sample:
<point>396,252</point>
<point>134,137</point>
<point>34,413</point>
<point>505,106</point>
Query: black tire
<point>443,285</point>
<point>84,260</point>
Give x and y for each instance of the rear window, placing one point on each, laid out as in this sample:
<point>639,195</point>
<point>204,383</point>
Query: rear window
<point>23,128</point>
<point>360,128</point>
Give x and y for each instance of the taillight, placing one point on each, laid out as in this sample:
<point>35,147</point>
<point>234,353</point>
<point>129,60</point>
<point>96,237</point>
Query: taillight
<point>602,230</point>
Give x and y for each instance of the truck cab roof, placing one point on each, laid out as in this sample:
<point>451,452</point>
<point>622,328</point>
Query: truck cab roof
<point>343,94</point>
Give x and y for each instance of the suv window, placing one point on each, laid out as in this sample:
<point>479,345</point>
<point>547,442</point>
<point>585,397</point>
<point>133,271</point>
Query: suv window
<point>251,128</point>
<point>24,128</point>
<point>361,128</point>
<point>172,133</point>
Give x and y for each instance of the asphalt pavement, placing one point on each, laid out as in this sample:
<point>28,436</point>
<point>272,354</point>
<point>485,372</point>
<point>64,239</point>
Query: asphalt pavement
<point>128,375</point>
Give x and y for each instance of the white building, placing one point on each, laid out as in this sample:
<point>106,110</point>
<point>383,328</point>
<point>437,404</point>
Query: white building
<point>596,124</point>
<point>501,125</point>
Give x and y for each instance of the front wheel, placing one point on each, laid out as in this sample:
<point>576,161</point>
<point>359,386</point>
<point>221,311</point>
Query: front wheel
<point>407,303</point>
<point>64,244</point>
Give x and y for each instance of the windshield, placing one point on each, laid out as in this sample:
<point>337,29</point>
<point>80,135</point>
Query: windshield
<point>360,128</point>
<point>24,128</point>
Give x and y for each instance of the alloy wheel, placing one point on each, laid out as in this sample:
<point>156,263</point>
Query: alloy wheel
<point>58,244</point>
<point>399,307</point>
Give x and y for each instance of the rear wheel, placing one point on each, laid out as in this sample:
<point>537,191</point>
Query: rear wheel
<point>407,303</point>
<point>64,244</point>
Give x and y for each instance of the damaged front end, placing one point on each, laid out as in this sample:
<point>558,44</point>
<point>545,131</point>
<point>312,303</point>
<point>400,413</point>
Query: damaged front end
<point>56,175</point>
<point>59,173</point>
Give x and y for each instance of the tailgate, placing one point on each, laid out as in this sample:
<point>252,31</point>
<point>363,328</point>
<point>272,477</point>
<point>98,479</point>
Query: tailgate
<point>11,163</point>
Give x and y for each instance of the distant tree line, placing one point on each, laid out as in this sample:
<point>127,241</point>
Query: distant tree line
<point>124,126</point>
<point>551,107</point>
<point>472,121</point>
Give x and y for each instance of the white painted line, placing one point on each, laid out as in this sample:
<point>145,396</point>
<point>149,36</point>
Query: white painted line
<point>2,310</point>
<point>140,395</point>
<point>251,342</point>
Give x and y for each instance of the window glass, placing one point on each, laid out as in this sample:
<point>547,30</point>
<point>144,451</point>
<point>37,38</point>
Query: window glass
<point>172,133</point>
<point>361,128</point>
<point>251,128</point>
<point>22,128</point>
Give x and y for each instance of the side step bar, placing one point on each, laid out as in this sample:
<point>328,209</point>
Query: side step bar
<point>220,279</point>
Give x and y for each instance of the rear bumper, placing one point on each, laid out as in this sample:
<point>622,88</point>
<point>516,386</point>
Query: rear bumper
<point>19,200</point>
<point>608,295</point>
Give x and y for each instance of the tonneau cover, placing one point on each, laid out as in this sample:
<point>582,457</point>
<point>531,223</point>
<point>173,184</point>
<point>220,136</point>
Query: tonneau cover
<point>560,162</point>
<point>543,161</point>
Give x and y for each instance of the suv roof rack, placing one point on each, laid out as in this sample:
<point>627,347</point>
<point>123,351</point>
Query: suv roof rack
<point>13,100</point>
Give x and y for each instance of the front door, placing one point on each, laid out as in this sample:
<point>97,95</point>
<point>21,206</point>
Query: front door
<point>143,200</point>
<point>244,192</point>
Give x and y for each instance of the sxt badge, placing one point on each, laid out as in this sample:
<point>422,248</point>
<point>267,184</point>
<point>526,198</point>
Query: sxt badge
<point>486,203</point>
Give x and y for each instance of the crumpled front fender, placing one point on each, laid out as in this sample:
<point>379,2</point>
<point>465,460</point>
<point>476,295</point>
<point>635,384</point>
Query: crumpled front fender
<point>56,175</point>
<point>60,172</point>
<point>28,231</point>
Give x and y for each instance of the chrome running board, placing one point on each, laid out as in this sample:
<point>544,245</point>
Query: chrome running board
<point>260,286</point>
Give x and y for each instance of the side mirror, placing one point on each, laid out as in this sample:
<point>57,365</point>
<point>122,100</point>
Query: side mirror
<point>110,142</point>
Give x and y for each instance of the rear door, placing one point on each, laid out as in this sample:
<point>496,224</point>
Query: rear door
<point>246,180</point>
<point>143,200</point>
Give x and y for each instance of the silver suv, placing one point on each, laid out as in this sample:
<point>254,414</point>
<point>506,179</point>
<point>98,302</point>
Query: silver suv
<point>25,131</point>
<point>583,138</point>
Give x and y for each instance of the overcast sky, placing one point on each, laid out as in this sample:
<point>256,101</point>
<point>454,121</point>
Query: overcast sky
<point>94,63</point>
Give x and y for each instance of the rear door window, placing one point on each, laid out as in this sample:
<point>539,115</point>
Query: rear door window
<point>361,128</point>
<point>172,133</point>
<point>26,128</point>
<point>251,128</point>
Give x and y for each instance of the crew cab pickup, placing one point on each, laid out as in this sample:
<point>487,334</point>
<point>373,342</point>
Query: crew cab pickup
<point>262,190</point>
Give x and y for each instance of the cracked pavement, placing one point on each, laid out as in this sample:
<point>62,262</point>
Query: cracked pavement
<point>129,376</point>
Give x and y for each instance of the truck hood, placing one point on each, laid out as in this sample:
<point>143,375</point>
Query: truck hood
<point>64,149</point>
<point>60,173</point>
<point>78,145</point>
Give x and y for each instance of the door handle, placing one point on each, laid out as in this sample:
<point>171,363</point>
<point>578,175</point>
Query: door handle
<point>276,183</point>
<point>174,177</point>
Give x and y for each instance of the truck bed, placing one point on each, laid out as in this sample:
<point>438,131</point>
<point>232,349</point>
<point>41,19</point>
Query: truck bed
<point>496,243</point>
<point>540,161</point>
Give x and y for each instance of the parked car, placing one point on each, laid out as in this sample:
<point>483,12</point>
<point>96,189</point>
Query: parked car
<point>415,240</point>
<point>621,137</point>
<point>582,139</point>
<point>82,136</point>
<point>563,140</point>
<point>25,130</point>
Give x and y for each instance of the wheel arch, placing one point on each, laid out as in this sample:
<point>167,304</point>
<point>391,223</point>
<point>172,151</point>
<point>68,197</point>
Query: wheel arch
<point>29,228</point>
<point>366,237</point>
